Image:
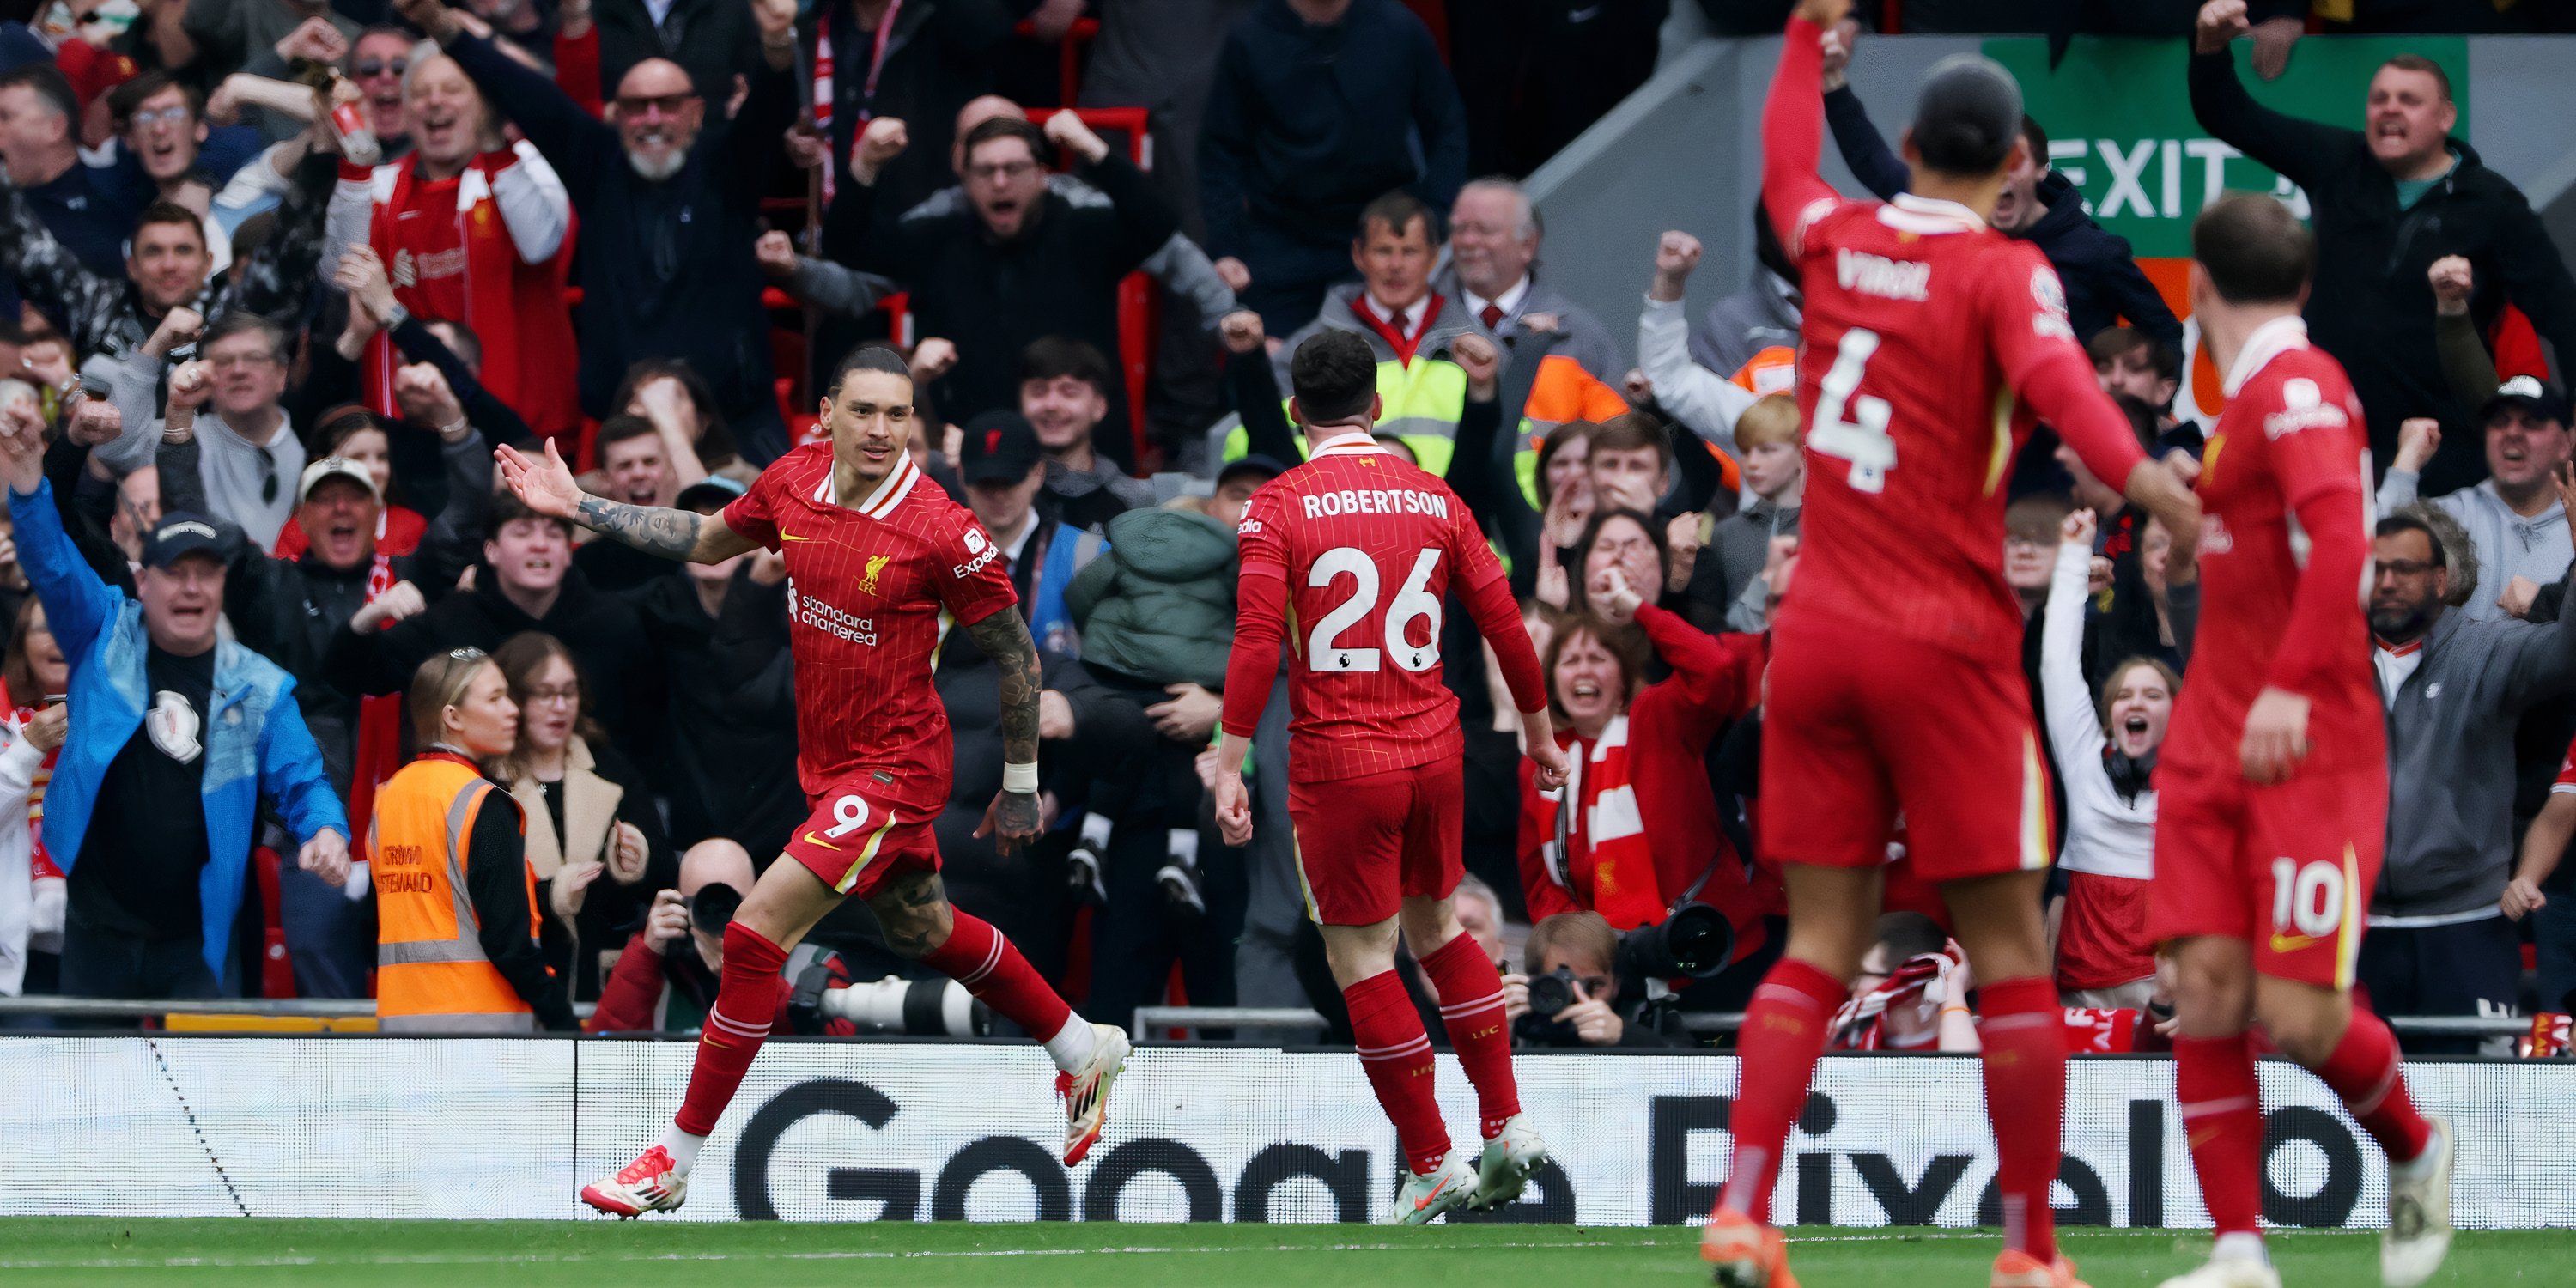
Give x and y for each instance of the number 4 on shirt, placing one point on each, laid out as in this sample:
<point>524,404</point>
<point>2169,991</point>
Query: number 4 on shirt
<point>1862,440</point>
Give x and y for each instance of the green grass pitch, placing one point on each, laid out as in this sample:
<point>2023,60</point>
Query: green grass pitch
<point>464,1254</point>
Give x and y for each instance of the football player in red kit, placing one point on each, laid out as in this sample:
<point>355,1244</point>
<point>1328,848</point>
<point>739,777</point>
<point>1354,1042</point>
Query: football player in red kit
<point>2272,793</point>
<point>1895,679</point>
<point>878,559</point>
<point>1359,550</point>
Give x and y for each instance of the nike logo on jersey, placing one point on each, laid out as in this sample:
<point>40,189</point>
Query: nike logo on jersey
<point>790,536</point>
<point>2291,943</point>
<point>811,839</point>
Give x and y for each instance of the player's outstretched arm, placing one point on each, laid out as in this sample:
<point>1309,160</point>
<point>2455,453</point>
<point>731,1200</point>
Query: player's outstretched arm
<point>546,486</point>
<point>1013,817</point>
<point>1793,121</point>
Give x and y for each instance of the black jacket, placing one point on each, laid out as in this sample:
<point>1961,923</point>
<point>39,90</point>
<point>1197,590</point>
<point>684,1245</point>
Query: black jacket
<point>1305,125</point>
<point>1058,277</point>
<point>665,268</point>
<point>2102,279</point>
<point>728,766</point>
<point>712,40</point>
<point>2371,306</point>
<point>940,54</point>
<point>618,668</point>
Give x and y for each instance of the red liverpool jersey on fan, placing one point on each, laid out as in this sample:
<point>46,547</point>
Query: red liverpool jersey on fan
<point>1368,547</point>
<point>2291,438</point>
<point>1920,322</point>
<point>866,587</point>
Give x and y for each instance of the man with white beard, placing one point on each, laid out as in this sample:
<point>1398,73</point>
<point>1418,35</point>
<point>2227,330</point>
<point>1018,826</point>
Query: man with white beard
<point>669,206</point>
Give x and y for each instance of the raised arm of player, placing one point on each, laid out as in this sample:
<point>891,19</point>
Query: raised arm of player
<point>2324,482</point>
<point>546,486</point>
<point>1793,126</point>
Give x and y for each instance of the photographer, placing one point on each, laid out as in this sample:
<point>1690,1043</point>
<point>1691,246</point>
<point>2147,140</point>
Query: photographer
<point>1574,996</point>
<point>665,979</point>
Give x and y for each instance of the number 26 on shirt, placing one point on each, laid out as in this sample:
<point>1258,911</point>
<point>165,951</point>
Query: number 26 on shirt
<point>1861,440</point>
<point>1413,602</point>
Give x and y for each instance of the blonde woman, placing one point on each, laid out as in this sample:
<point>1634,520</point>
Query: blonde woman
<point>445,963</point>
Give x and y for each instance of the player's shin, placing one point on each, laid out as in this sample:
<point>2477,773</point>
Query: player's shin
<point>2222,1119</point>
<point>1471,1008</point>
<point>1784,1032</point>
<point>1396,1055</point>
<point>991,967</point>
<point>2365,1070</point>
<point>737,1024</point>
<point>2021,1030</point>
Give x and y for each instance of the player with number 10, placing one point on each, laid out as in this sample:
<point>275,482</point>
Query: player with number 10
<point>1359,549</point>
<point>1896,683</point>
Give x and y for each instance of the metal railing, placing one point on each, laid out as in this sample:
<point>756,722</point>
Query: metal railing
<point>1147,1019</point>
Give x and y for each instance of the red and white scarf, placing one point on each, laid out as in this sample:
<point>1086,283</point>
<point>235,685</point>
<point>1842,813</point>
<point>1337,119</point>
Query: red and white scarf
<point>1602,841</point>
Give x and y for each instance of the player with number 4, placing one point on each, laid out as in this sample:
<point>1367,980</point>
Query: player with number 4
<point>1359,549</point>
<point>1928,341</point>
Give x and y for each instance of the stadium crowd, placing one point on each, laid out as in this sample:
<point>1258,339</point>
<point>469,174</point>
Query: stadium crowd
<point>252,499</point>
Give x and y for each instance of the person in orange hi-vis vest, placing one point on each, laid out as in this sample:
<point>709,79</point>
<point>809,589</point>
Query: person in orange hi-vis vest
<point>456,913</point>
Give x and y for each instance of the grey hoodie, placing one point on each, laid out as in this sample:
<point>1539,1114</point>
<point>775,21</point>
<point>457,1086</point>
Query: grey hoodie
<point>2450,761</point>
<point>2508,544</point>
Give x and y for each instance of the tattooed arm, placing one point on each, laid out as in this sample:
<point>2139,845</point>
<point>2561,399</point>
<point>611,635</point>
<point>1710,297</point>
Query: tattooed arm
<point>673,534</point>
<point>1004,637</point>
<point>545,485</point>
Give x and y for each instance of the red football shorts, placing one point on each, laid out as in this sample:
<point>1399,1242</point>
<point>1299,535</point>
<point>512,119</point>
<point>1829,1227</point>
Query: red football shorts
<point>1365,844</point>
<point>2288,868</point>
<point>1862,726</point>
<point>854,840</point>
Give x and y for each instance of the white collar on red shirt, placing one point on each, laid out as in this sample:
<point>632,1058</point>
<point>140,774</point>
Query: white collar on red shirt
<point>1912,214</point>
<point>1349,445</point>
<point>889,494</point>
<point>2269,341</point>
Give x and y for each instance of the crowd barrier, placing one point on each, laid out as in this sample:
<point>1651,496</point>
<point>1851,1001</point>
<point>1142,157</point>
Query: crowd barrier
<point>500,1128</point>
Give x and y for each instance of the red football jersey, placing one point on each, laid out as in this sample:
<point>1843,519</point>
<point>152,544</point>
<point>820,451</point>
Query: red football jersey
<point>2291,438</point>
<point>1919,323</point>
<point>1369,547</point>
<point>866,590</point>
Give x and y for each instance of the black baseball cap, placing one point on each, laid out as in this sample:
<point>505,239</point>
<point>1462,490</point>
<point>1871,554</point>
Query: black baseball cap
<point>714,492</point>
<point>181,534</point>
<point>1264,466</point>
<point>2529,393</point>
<point>1001,447</point>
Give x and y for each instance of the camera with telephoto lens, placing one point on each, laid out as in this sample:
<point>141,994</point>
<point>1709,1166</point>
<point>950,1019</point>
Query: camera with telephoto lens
<point>1693,942</point>
<point>921,1008</point>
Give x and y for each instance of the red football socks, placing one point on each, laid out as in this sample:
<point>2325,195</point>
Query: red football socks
<point>2222,1118</point>
<point>991,968</point>
<point>738,1022</point>
<point>2022,1030</point>
<point>1471,1008</point>
<point>1396,1055</point>
<point>2365,1071</point>
<point>1783,1033</point>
